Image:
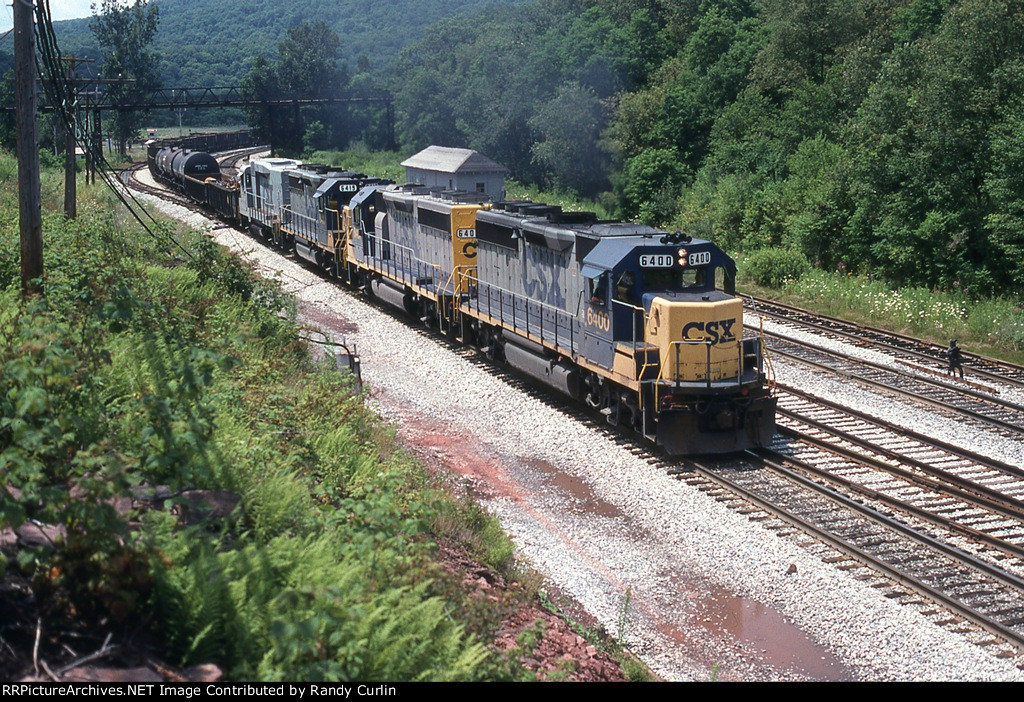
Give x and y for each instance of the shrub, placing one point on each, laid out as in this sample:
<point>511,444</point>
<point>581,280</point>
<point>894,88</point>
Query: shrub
<point>774,268</point>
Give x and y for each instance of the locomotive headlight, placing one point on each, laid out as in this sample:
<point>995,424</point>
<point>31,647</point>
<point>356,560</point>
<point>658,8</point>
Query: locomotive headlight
<point>682,257</point>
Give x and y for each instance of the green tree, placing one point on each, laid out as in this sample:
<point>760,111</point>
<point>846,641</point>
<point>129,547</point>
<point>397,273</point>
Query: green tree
<point>569,128</point>
<point>1004,184</point>
<point>306,68</point>
<point>924,142</point>
<point>124,32</point>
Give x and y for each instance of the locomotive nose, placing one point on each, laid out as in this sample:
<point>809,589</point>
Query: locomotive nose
<point>697,340</point>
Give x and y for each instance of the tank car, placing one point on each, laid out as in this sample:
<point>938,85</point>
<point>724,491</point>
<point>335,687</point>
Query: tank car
<point>176,164</point>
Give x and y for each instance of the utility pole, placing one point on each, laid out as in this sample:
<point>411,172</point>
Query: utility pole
<point>87,136</point>
<point>70,196</point>
<point>29,204</point>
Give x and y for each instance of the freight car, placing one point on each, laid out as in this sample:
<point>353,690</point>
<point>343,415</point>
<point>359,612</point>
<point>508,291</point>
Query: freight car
<point>198,174</point>
<point>642,325</point>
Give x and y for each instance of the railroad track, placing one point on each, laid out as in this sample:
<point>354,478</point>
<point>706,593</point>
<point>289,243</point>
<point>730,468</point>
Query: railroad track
<point>900,346</point>
<point>984,409</point>
<point>931,536</point>
<point>977,598</point>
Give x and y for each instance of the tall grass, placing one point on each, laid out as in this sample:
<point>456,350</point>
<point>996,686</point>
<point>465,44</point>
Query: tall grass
<point>991,325</point>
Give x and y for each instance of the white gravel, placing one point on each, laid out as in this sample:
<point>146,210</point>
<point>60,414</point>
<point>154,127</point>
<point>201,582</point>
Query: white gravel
<point>665,543</point>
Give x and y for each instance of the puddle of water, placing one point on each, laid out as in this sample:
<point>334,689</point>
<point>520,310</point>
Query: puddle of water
<point>760,631</point>
<point>586,500</point>
<point>763,630</point>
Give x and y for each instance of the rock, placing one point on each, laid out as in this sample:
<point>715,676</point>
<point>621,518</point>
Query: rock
<point>198,506</point>
<point>93,674</point>
<point>207,672</point>
<point>33,535</point>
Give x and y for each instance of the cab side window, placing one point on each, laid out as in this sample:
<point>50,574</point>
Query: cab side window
<point>599,289</point>
<point>624,287</point>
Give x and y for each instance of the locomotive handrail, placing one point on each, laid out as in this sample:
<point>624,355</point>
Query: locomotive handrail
<point>259,204</point>
<point>396,270</point>
<point>308,225</point>
<point>753,302</point>
<point>677,345</point>
<point>643,316</point>
<point>555,312</point>
<point>298,220</point>
<point>332,233</point>
<point>766,359</point>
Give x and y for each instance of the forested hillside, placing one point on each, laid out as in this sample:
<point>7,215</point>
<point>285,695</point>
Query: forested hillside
<point>212,42</point>
<point>867,135</point>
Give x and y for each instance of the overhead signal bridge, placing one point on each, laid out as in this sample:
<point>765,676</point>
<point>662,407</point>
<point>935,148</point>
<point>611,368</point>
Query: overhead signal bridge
<point>179,98</point>
<point>91,100</point>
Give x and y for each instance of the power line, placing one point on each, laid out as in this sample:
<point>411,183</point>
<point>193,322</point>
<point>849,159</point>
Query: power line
<point>62,95</point>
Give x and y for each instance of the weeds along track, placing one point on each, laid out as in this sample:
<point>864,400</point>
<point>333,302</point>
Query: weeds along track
<point>909,350</point>
<point>938,528</point>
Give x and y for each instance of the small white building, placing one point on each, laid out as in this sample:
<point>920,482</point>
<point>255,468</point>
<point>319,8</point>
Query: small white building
<point>456,169</point>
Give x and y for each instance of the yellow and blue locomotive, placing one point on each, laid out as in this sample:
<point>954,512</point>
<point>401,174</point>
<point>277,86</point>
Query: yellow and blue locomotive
<point>642,325</point>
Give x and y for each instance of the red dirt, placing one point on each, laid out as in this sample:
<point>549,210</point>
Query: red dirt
<point>560,653</point>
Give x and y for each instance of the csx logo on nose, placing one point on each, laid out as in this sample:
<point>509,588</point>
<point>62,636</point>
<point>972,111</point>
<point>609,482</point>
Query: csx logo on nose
<point>715,332</point>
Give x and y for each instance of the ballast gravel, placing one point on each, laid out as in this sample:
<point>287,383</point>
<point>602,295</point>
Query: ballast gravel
<point>644,553</point>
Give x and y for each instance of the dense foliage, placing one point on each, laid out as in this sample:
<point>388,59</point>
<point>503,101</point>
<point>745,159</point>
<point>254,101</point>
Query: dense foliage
<point>306,66</point>
<point>206,43</point>
<point>205,477</point>
<point>876,135</point>
<point>125,34</point>
<point>881,137</point>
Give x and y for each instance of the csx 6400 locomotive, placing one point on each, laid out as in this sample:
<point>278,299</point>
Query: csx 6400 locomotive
<point>643,325</point>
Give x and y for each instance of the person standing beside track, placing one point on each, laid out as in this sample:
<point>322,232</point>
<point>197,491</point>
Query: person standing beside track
<point>955,359</point>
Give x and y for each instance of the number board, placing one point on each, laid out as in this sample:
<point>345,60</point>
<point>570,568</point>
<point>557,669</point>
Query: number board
<point>466,233</point>
<point>351,188</point>
<point>700,258</point>
<point>656,260</point>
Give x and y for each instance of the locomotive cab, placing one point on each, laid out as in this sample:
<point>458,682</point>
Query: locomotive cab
<point>662,313</point>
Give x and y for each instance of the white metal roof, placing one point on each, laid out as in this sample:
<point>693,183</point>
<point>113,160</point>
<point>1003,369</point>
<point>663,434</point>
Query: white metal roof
<point>445,159</point>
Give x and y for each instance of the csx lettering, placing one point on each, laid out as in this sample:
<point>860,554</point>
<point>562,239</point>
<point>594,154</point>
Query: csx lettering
<point>716,332</point>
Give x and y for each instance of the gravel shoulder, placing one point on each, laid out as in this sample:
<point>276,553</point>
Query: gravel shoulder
<point>694,588</point>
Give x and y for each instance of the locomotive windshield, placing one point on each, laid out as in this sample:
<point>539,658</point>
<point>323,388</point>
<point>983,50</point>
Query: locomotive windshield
<point>675,279</point>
